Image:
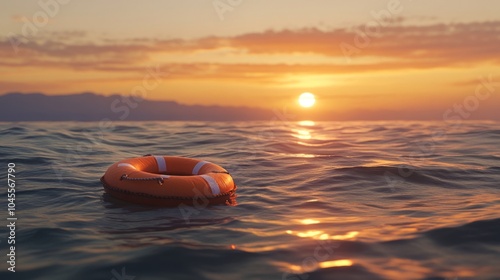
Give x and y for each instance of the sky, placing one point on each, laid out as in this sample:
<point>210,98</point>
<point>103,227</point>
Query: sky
<point>391,59</point>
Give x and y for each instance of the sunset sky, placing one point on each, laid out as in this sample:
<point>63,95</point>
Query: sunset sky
<point>363,60</point>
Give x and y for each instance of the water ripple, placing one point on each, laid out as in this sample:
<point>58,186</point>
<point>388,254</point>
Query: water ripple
<point>324,200</point>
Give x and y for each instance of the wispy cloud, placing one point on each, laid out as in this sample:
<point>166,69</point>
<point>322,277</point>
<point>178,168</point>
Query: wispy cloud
<point>394,47</point>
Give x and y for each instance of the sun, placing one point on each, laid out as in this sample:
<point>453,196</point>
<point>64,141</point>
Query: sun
<point>307,99</point>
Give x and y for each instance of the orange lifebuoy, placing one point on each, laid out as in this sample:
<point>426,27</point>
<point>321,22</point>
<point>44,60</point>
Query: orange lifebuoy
<point>169,181</point>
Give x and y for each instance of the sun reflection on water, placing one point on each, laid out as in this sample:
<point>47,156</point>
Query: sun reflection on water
<point>335,263</point>
<point>307,123</point>
<point>313,265</point>
<point>309,221</point>
<point>303,134</point>
<point>319,233</point>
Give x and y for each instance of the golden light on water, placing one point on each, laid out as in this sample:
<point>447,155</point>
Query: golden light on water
<point>309,221</point>
<point>309,233</point>
<point>302,134</point>
<point>314,265</point>
<point>336,263</point>
<point>349,235</point>
<point>307,123</point>
<point>322,235</point>
<point>303,130</point>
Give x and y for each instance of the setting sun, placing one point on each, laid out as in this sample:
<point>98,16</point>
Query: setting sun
<point>307,99</point>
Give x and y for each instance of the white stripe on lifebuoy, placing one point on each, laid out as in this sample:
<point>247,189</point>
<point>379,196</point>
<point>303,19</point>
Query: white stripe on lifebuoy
<point>212,183</point>
<point>162,165</point>
<point>198,166</point>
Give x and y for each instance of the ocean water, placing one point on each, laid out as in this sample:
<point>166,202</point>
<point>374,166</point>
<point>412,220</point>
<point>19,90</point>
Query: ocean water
<point>324,200</point>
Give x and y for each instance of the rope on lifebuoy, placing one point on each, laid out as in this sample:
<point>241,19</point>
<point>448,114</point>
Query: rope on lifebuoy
<point>126,178</point>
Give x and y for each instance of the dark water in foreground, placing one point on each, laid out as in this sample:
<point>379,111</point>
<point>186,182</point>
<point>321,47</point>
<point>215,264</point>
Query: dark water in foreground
<point>377,200</point>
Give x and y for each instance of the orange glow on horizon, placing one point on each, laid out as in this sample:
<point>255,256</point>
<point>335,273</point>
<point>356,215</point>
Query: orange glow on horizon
<point>397,75</point>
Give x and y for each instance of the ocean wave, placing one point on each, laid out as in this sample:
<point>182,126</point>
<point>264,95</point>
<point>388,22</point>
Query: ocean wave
<point>396,202</point>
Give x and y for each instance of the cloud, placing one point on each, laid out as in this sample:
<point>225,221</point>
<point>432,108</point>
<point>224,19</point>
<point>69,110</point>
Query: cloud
<point>395,46</point>
<point>441,43</point>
